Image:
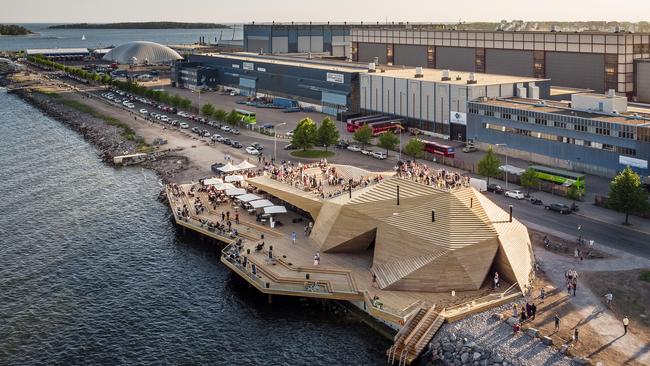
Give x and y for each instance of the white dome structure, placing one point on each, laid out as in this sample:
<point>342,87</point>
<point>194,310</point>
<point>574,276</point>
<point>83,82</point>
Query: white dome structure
<point>143,51</point>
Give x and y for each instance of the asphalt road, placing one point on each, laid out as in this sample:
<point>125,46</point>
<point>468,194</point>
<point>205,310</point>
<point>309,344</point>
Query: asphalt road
<point>610,235</point>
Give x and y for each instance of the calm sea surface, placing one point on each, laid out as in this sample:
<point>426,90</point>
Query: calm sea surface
<point>92,272</point>
<point>98,38</point>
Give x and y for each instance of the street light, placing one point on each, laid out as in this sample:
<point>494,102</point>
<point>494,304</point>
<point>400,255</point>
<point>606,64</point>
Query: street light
<point>506,154</point>
<point>275,141</point>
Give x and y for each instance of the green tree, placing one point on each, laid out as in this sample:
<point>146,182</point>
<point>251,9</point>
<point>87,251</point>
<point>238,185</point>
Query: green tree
<point>363,135</point>
<point>176,100</point>
<point>220,114</point>
<point>529,179</point>
<point>414,148</point>
<point>233,118</point>
<point>488,166</point>
<point>305,134</point>
<point>327,134</point>
<point>207,110</point>
<point>186,103</point>
<point>627,194</point>
<point>388,141</point>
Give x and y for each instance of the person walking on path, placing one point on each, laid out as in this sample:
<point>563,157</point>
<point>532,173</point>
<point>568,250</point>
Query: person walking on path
<point>542,293</point>
<point>514,310</point>
<point>626,322</point>
<point>237,218</point>
<point>496,280</point>
<point>574,284</point>
<point>575,335</point>
<point>533,309</point>
<point>568,287</point>
<point>557,323</point>
<point>608,298</point>
<point>293,237</point>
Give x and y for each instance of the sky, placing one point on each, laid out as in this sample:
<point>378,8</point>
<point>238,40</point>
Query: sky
<point>94,11</point>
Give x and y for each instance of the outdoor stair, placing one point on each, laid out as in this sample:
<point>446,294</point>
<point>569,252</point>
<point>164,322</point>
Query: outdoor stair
<point>415,335</point>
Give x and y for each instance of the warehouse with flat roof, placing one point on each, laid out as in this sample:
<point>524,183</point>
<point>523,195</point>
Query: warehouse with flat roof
<point>589,60</point>
<point>435,100</point>
<point>332,39</point>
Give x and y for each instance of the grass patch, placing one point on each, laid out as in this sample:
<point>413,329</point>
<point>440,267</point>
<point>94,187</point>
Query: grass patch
<point>127,132</point>
<point>645,276</point>
<point>312,154</point>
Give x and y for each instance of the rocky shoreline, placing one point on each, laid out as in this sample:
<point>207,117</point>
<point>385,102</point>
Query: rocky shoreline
<point>106,138</point>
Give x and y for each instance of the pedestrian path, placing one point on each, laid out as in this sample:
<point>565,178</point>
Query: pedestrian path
<point>588,304</point>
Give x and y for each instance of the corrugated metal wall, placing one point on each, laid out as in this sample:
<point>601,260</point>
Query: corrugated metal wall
<point>643,81</point>
<point>456,58</point>
<point>254,45</point>
<point>368,51</point>
<point>578,70</point>
<point>509,62</point>
<point>410,55</point>
<point>280,44</point>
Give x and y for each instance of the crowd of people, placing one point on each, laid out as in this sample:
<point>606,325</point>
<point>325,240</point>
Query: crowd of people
<point>440,178</point>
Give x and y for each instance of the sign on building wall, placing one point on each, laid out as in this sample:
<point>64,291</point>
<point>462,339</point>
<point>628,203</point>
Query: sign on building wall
<point>261,69</point>
<point>335,78</point>
<point>637,163</point>
<point>248,66</point>
<point>235,66</point>
<point>458,117</point>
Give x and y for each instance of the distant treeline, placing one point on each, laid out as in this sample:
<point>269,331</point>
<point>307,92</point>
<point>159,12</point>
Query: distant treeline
<point>141,25</point>
<point>13,30</point>
<point>520,25</point>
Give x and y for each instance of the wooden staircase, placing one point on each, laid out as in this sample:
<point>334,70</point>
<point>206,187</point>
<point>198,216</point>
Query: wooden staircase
<point>415,335</point>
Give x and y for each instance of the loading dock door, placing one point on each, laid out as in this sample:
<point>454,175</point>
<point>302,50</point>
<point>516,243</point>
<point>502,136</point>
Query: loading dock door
<point>255,44</point>
<point>509,62</point>
<point>280,44</point>
<point>368,51</point>
<point>410,55</point>
<point>577,70</point>
<point>456,58</point>
<point>643,81</point>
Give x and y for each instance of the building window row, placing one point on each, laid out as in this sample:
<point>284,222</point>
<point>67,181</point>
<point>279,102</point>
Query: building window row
<point>557,138</point>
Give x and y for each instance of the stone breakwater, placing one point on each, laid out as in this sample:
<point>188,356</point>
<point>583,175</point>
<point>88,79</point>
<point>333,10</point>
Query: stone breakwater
<point>106,138</point>
<point>484,340</point>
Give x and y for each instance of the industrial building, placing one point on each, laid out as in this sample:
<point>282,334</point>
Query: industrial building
<point>595,133</point>
<point>436,100</point>
<point>59,54</point>
<point>332,39</point>
<point>332,86</point>
<point>597,61</point>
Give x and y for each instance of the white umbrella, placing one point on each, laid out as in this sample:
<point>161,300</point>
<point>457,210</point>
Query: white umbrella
<point>235,192</point>
<point>261,203</point>
<point>234,178</point>
<point>228,168</point>
<point>224,186</point>
<point>275,210</point>
<point>245,165</point>
<point>248,197</point>
<point>213,181</point>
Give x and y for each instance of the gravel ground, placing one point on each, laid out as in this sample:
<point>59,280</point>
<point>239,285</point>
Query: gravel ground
<point>487,341</point>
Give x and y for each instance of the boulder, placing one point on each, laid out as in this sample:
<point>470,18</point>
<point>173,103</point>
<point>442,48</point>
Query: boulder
<point>497,316</point>
<point>547,340</point>
<point>464,357</point>
<point>532,332</point>
<point>471,344</point>
<point>582,361</point>
<point>453,337</point>
<point>564,349</point>
<point>477,356</point>
<point>498,358</point>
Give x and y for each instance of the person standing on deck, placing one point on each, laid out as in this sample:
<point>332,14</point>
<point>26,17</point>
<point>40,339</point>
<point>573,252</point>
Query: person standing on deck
<point>626,322</point>
<point>293,237</point>
<point>557,322</point>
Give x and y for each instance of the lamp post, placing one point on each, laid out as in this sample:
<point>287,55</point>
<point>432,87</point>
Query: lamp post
<point>275,141</point>
<point>506,154</point>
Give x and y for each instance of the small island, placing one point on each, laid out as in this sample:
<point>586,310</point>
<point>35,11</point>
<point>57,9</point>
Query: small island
<point>13,30</point>
<point>141,25</point>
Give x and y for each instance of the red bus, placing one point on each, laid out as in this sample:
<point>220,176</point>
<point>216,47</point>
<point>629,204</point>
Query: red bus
<point>353,124</point>
<point>384,126</point>
<point>439,149</point>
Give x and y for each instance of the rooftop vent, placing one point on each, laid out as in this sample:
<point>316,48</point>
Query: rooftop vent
<point>418,72</point>
<point>372,67</point>
<point>611,93</point>
<point>471,79</point>
<point>376,60</point>
<point>458,77</point>
<point>445,75</point>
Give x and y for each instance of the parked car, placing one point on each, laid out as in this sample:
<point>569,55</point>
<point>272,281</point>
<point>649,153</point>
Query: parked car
<point>237,145</point>
<point>536,201</point>
<point>515,194</point>
<point>354,148</point>
<point>342,145</point>
<point>379,155</point>
<point>196,130</point>
<point>143,111</point>
<point>253,151</point>
<point>184,125</point>
<point>225,128</point>
<point>234,131</point>
<point>227,141</point>
<point>559,207</point>
<point>494,188</point>
<point>257,146</point>
<point>469,148</point>
<point>174,123</point>
<point>205,133</point>
<point>216,137</point>
<point>366,152</point>
<point>290,147</point>
<point>268,126</point>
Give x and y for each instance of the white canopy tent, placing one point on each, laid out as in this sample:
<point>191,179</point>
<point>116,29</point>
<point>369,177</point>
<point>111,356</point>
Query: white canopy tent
<point>228,168</point>
<point>261,203</point>
<point>248,197</point>
<point>213,181</point>
<point>224,186</point>
<point>245,165</point>
<point>235,192</point>
<point>275,210</point>
<point>234,178</point>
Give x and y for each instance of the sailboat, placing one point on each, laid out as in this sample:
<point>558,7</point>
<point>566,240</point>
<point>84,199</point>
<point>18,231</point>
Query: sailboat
<point>83,37</point>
